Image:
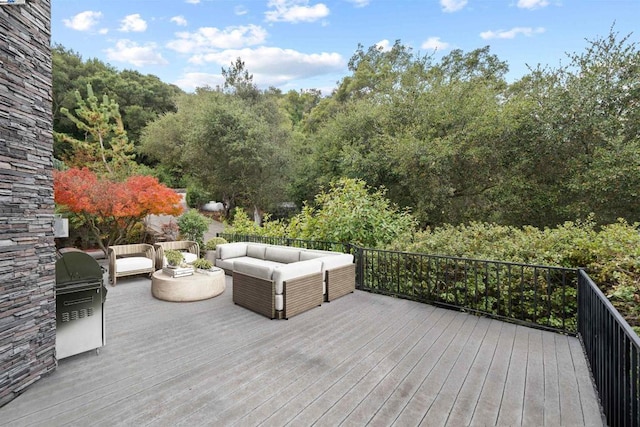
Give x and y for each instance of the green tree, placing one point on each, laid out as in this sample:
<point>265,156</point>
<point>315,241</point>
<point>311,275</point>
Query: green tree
<point>105,148</point>
<point>351,212</point>
<point>237,150</point>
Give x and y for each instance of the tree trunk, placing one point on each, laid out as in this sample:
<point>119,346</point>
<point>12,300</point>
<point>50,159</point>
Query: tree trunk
<point>257,215</point>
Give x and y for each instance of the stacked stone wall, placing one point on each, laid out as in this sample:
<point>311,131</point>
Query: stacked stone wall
<point>27,250</point>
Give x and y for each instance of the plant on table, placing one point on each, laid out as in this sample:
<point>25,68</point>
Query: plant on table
<point>174,257</point>
<point>202,264</point>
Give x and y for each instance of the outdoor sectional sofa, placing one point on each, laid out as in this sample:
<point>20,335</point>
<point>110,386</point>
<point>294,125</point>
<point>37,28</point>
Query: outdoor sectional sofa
<point>281,281</point>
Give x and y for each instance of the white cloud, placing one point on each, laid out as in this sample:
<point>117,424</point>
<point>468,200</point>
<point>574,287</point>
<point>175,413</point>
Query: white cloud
<point>133,23</point>
<point>179,20</point>
<point>295,11</point>
<point>103,31</point>
<point>532,4</point>
<point>206,39</point>
<point>275,66</point>
<point>384,45</point>
<point>240,10</point>
<point>452,5</point>
<point>192,1</point>
<point>434,43</point>
<point>360,3</point>
<point>138,55</point>
<point>512,33</point>
<point>191,81</point>
<point>83,21</point>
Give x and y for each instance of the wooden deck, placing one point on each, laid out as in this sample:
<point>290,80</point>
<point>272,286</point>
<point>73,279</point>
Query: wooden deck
<point>362,359</point>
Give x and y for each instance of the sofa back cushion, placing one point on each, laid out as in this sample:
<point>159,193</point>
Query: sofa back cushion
<point>313,254</point>
<point>256,251</point>
<point>282,254</point>
<point>256,270</point>
<point>231,250</point>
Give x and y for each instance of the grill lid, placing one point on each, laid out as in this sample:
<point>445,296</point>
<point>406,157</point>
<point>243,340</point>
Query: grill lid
<point>77,267</point>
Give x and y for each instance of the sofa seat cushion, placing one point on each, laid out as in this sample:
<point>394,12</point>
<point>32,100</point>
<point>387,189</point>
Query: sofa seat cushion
<point>261,271</point>
<point>134,263</point>
<point>291,271</point>
<point>228,264</point>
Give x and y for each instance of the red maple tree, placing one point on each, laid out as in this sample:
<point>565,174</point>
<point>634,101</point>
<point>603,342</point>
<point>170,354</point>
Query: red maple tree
<point>109,208</point>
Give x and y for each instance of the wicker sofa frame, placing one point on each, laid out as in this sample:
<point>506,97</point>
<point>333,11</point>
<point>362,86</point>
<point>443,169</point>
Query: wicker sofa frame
<point>300,294</point>
<point>180,245</point>
<point>140,249</point>
<point>340,281</point>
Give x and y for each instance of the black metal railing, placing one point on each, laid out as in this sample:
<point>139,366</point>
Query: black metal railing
<point>611,347</point>
<point>533,295</point>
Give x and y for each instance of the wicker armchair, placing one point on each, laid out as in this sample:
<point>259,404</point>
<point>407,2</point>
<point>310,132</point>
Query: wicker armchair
<point>182,245</point>
<point>129,260</point>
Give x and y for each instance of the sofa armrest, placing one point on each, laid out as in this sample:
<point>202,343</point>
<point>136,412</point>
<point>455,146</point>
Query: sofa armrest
<point>340,281</point>
<point>254,293</point>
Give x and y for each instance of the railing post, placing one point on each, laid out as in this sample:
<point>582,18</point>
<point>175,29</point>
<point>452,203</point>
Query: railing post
<point>358,255</point>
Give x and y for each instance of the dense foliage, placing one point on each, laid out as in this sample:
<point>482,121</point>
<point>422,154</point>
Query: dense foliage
<point>610,254</point>
<point>348,212</point>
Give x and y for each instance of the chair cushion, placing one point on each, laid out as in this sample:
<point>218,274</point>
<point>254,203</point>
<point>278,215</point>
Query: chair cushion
<point>133,263</point>
<point>187,256</point>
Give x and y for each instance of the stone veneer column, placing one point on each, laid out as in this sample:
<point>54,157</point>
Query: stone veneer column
<point>27,250</point>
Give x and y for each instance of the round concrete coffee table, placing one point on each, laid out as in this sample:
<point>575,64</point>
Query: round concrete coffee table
<point>195,287</point>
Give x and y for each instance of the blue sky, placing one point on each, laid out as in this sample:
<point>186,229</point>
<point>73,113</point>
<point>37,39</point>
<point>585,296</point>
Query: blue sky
<point>304,44</point>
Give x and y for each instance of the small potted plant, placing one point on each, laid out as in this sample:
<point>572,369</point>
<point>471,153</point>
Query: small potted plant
<point>203,266</point>
<point>174,258</point>
<point>210,248</point>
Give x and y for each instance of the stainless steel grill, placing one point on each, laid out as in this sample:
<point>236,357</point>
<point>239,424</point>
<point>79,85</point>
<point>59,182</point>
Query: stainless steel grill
<point>80,296</point>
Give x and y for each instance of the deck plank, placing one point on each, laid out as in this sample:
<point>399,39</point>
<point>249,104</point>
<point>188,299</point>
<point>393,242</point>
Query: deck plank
<point>360,359</point>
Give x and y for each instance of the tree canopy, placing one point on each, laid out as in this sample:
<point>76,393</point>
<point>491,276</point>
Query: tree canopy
<point>451,139</point>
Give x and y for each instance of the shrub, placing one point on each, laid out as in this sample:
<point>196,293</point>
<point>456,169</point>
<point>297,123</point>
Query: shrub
<point>353,213</point>
<point>193,225</point>
<point>211,244</point>
<point>242,224</point>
